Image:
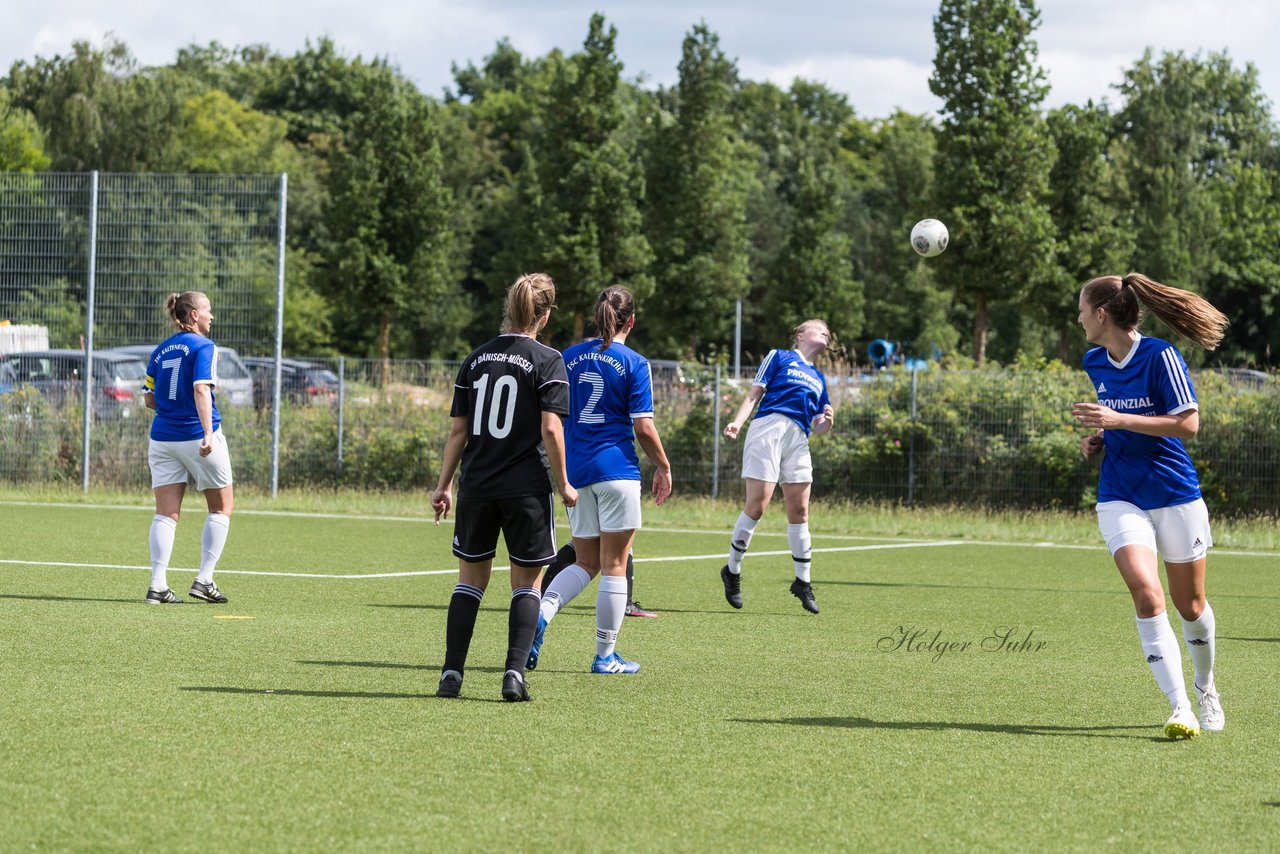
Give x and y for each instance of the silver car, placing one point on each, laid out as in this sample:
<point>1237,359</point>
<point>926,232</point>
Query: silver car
<point>235,383</point>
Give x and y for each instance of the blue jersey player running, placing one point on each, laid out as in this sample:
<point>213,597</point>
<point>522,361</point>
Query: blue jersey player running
<point>610,409</point>
<point>793,402</point>
<point>1149,501</point>
<point>187,445</point>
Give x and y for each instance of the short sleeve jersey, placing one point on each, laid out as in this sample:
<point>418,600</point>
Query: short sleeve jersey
<point>608,390</point>
<point>1147,471</point>
<point>181,362</point>
<point>792,387</point>
<point>502,389</point>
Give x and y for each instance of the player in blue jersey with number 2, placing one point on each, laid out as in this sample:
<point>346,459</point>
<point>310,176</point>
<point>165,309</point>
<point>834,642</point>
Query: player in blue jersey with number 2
<point>610,410</point>
<point>1149,502</point>
<point>187,445</point>
<point>793,399</point>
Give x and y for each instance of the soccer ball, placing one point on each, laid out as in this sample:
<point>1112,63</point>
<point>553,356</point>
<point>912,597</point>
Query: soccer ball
<point>929,237</point>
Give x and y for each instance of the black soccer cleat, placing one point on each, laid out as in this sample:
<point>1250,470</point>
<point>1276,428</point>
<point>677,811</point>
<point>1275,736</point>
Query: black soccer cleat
<point>732,586</point>
<point>207,593</point>
<point>803,591</point>
<point>514,689</point>
<point>162,597</point>
<point>450,684</point>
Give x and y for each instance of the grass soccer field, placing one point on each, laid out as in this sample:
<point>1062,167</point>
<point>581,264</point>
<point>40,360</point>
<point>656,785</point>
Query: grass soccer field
<point>954,693</point>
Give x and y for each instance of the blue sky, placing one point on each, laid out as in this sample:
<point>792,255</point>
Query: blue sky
<point>878,52</point>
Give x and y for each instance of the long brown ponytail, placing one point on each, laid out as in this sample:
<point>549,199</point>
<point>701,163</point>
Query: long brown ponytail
<point>1188,314</point>
<point>614,307</point>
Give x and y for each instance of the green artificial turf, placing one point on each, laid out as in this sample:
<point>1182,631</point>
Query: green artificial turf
<point>310,722</point>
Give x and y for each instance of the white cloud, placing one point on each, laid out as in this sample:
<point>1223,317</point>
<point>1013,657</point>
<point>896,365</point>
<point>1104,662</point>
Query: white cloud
<point>878,52</point>
<point>876,87</point>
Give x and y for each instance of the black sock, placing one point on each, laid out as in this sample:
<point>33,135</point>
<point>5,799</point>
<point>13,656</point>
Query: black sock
<point>565,557</point>
<point>463,608</point>
<point>631,576</point>
<point>522,622</point>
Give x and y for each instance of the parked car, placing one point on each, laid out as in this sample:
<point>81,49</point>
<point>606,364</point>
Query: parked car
<point>300,381</point>
<point>1246,378</point>
<point>235,383</point>
<point>59,376</point>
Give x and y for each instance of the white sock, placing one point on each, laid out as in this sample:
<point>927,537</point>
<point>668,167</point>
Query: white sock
<point>571,581</point>
<point>1164,657</point>
<point>611,605</point>
<point>742,531</point>
<point>801,548</point>
<point>1201,642</point>
<point>163,530</point>
<point>212,539</point>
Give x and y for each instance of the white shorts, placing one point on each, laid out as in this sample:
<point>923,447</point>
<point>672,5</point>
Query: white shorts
<point>1179,534</point>
<point>777,450</point>
<point>609,506</point>
<point>180,462</point>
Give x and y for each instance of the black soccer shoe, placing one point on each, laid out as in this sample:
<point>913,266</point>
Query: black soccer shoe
<point>207,593</point>
<point>803,591</point>
<point>514,689</point>
<point>732,586</point>
<point>450,684</point>
<point>162,597</point>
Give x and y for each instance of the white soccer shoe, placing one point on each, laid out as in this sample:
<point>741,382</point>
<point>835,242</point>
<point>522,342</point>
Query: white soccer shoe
<point>1212,718</point>
<point>1182,724</point>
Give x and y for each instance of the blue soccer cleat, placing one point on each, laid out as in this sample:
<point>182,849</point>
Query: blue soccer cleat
<point>613,664</point>
<point>536,647</point>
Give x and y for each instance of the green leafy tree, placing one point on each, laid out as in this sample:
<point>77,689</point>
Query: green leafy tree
<point>904,302</point>
<point>390,241</point>
<point>699,178</point>
<point>814,272</point>
<point>1199,159</point>
<point>1094,230</point>
<point>219,134</point>
<point>99,110</point>
<point>580,191</point>
<point>21,148</point>
<point>994,154</point>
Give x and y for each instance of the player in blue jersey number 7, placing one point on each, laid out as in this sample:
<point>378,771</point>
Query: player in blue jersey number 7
<point>186,445</point>
<point>793,399</point>
<point>1149,502</point>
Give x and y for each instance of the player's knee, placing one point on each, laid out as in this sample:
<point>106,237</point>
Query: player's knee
<point>1148,603</point>
<point>1190,607</point>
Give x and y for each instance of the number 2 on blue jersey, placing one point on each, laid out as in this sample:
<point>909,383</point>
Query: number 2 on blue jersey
<point>588,415</point>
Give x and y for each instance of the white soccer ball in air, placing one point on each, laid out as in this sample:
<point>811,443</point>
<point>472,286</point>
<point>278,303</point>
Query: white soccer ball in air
<point>929,237</point>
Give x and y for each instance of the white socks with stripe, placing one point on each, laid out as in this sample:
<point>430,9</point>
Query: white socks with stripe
<point>742,531</point>
<point>801,549</point>
<point>163,530</point>
<point>1199,636</point>
<point>213,538</point>
<point>1164,657</point>
<point>570,581</point>
<point>611,605</point>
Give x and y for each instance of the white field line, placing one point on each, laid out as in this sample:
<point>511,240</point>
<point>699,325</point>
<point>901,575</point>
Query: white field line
<point>672,559</point>
<point>298,514</point>
<point>359,575</point>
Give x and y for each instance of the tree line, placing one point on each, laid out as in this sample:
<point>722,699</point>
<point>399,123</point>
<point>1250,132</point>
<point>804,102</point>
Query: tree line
<point>410,214</point>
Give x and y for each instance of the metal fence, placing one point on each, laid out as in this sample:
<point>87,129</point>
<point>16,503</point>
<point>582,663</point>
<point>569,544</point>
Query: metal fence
<point>995,438</point>
<point>88,259</point>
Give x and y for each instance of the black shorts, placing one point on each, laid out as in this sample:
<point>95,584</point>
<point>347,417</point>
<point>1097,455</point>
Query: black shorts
<point>527,524</point>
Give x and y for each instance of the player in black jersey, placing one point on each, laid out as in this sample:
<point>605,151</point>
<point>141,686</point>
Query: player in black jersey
<point>508,399</point>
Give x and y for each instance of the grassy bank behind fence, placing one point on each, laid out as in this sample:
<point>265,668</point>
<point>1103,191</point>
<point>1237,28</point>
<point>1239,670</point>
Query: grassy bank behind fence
<point>981,438</point>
